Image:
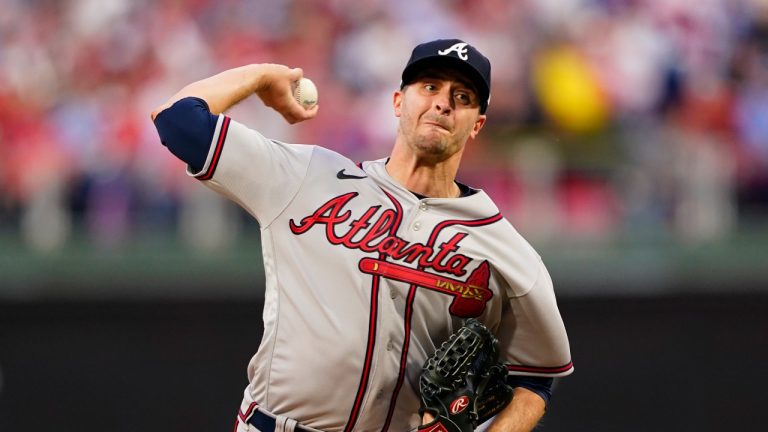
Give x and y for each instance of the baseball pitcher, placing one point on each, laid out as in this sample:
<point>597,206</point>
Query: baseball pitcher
<point>397,298</point>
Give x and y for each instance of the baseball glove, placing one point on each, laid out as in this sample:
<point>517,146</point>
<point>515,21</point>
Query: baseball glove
<point>463,384</point>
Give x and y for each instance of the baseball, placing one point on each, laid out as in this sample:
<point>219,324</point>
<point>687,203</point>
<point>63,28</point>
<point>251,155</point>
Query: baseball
<point>305,93</point>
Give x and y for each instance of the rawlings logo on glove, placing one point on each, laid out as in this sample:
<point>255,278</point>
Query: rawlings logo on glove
<point>463,384</point>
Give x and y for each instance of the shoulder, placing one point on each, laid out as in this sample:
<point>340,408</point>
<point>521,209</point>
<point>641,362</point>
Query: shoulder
<point>327,155</point>
<point>514,244</point>
<point>327,160</point>
<point>511,254</point>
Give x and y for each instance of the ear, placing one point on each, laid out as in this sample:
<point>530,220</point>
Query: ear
<point>397,102</point>
<point>477,126</point>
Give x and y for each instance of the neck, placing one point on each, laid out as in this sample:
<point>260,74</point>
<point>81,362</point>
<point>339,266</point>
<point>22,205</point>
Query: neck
<point>434,179</point>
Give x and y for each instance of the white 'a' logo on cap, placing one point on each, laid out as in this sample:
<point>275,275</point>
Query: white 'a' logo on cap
<point>460,48</point>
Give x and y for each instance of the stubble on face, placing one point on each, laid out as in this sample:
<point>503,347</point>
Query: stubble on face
<point>430,135</point>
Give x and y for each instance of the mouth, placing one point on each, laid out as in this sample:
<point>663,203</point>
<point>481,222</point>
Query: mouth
<point>437,124</point>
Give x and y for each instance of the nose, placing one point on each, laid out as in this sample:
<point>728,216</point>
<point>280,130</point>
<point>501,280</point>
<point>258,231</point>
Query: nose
<point>443,102</point>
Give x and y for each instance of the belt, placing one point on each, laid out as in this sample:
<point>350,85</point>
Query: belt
<point>266,423</point>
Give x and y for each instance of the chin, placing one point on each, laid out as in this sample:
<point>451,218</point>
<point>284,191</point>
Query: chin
<point>436,152</point>
<point>431,146</point>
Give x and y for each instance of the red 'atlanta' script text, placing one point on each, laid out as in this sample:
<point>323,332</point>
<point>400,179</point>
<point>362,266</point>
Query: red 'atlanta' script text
<point>372,232</point>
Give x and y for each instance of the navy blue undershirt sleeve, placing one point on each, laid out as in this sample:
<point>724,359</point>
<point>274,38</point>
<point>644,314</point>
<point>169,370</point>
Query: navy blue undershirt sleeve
<point>540,385</point>
<point>187,129</point>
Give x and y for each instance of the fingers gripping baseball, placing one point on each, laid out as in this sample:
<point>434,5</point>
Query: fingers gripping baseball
<point>276,90</point>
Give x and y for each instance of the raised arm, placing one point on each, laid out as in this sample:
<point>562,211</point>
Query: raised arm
<point>271,82</point>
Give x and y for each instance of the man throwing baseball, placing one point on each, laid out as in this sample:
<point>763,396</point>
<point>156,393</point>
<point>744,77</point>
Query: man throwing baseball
<point>371,266</point>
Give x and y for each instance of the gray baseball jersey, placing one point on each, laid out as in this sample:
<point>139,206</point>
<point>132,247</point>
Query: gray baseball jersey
<point>364,280</point>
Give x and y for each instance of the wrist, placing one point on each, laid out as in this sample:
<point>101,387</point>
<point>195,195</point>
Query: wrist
<point>265,76</point>
<point>256,77</point>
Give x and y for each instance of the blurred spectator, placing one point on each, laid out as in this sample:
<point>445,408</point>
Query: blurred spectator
<point>609,117</point>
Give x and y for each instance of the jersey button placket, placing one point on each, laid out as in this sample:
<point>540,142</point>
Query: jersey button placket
<point>423,207</point>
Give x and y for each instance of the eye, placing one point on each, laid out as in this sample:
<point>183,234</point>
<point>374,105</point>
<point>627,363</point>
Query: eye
<point>430,87</point>
<point>464,98</point>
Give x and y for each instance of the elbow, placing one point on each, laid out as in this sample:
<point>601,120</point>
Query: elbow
<point>157,111</point>
<point>186,127</point>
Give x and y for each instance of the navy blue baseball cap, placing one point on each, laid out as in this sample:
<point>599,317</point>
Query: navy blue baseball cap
<point>456,54</point>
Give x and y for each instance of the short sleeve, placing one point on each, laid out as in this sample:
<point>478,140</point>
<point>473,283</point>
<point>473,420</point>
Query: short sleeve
<point>260,174</point>
<point>532,333</point>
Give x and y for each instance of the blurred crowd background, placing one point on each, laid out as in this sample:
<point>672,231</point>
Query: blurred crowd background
<point>626,139</point>
<point>609,119</point>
